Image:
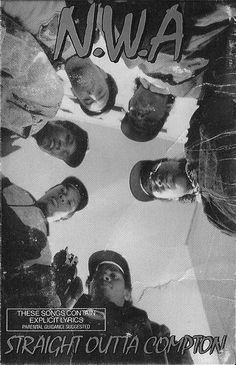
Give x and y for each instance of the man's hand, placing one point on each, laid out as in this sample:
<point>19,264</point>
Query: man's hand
<point>74,292</point>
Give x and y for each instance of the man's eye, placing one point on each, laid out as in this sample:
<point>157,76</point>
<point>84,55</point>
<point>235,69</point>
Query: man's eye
<point>114,276</point>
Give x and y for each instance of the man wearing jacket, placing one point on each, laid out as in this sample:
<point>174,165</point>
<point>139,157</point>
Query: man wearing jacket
<point>31,90</point>
<point>93,88</point>
<point>25,220</point>
<point>205,27</point>
<point>109,286</point>
<point>31,96</point>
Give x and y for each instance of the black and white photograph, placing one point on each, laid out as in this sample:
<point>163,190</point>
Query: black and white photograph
<point>118,181</point>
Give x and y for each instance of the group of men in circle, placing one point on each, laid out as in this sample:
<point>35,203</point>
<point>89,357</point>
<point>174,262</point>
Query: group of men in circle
<point>32,94</point>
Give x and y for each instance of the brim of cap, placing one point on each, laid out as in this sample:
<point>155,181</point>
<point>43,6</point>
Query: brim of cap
<point>101,256</point>
<point>72,63</point>
<point>70,164</point>
<point>136,135</point>
<point>74,164</point>
<point>111,263</point>
<point>139,169</point>
<point>76,161</point>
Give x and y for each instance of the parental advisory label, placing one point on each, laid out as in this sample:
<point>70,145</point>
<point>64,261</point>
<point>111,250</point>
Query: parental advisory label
<point>45,319</point>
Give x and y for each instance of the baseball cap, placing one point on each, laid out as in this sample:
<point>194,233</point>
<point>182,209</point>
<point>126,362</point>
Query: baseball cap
<point>139,173</point>
<point>81,138</point>
<point>77,184</point>
<point>110,257</point>
<point>139,132</point>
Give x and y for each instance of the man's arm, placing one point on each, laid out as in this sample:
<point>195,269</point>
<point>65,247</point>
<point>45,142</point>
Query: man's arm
<point>19,242</point>
<point>172,357</point>
<point>31,88</point>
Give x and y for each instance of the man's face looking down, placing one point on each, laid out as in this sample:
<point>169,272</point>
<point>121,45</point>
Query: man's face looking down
<point>147,107</point>
<point>60,201</point>
<point>167,180</point>
<point>57,140</point>
<point>108,285</point>
<point>89,83</point>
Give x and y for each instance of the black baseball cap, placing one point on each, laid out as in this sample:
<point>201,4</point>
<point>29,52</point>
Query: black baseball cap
<point>138,176</point>
<point>142,132</point>
<point>81,138</point>
<point>77,184</point>
<point>110,257</point>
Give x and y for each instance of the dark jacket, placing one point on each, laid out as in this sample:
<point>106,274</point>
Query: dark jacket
<point>203,33</point>
<point>24,228</point>
<point>129,323</point>
<point>211,157</point>
<point>211,146</point>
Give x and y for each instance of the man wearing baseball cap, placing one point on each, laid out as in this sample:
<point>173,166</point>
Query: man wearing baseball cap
<point>109,286</point>
<point>32,94</point>
<point>148,110</point>
<point>25,220</point>
<point>61,201</point>
<point>105,267</point>
<point>64,140</point>
<point>94,89</point>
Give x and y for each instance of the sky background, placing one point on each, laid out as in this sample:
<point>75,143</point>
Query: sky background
<point>181,267</point>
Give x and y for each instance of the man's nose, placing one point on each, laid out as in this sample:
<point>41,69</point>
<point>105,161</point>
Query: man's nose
<point>62,149</point>
<point>93,97</point>
<point>62,144</point>
<point>106,277</point>
<point>62,198</point>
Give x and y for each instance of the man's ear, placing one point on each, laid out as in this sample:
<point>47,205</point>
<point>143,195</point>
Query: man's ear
<point>127,295</point>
